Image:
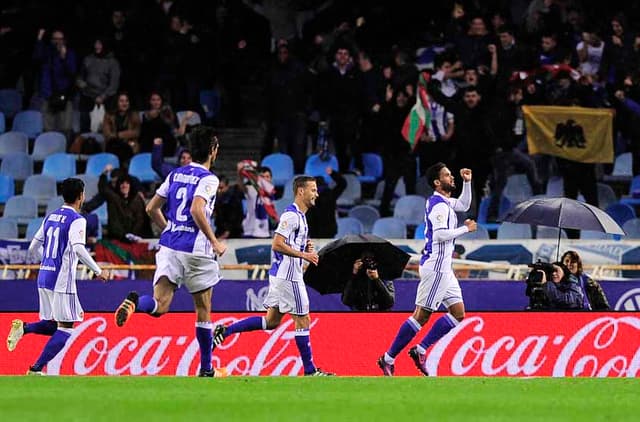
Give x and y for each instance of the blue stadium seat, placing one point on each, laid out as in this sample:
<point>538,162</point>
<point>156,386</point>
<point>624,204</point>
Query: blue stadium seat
<point>140,167</point>
<point>194,120</point>
<point>10,102</point>
<point>33,226</point>
<point>97,162</point>
<point>483,212</point>
<point>8,228</point>
<point>99,137</point>
<point>621,213</point>
<point>281,204</point>
<point>3,123</point>
<point>90,184</point>
<point>315,166</point>
<point>13,142</point>
<point>53,204</point>
<point>632,228</point>
<point>509,230</point>
<point>410,209</point>
<point>606,196</point>
<point>348,225</point>
<point>372,167</point>
<point>41,187</point>
<point>622,168</point>
<point>48,143</point>
<point>481,233</point>
<point>518,188</point>
<point>419,232</point>
<point>366,214</point>
<point>634,192</point>
<point>399,191</point>
<point>555,187</point>
<point>7,188</point>
<point>544,232</point>
<point>593,235</point>
<point>281,166</point>
<point>60,166</point>
<point>28,122</point>
<point>390,228</point>
<point>21,208</point>
<point>210,102</point>
<point>17,165</point>
<point>352,194</point>
<point>101,212</point>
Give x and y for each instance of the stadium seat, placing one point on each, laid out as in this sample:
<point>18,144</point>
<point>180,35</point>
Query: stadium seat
<point>634,192</point>
<point>28,122</point>
<point>101,212</point>
<point>281,204</point>
<point>555,187</point>
<point>419,232</point>
<point>10,102</point>
<point>606,196</point>
<point>481,233</point>
<point>90,184</point>
<point>8,228</point>
<point>97,162</point>
<point>483,212</point>
<point>281,166</point>
<point>593,235</point>
<point>509,230</point>
<point>544,232</point>
<point>210,103</point>
<point>410,209</point>
<point>42,187</point>
<point>53,204</point>
<point>517,189</point>
<point>621,213</point>
<point>17,165</point>
<point>48,143</point>
<point>97,136</point>
<point>348,225</point>
<point>21,208</point>
<point>316,166</point>
<point>7,188</point>
<point>194,120</point>
<point>13,142</point>
<point>632,228</point>
<point>352,194</point>
<point>33,226</point>
<point>622,168</point>
<point>3,123</point>
<point>398,192</point>
<point>390,228</point>
<point>366,214</point>
<point>60,166</point>
<point>140,167</point>
<point>372,167</point>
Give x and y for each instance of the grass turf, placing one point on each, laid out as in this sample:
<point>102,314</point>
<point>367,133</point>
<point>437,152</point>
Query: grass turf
<point>310,399</point>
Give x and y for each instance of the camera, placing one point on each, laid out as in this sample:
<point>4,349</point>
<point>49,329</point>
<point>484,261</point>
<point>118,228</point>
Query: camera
<point>369,263</point>
<point>535,289</point>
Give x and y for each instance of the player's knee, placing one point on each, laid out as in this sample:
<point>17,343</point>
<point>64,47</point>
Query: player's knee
<point>272,323</point>
<point>459,316</point>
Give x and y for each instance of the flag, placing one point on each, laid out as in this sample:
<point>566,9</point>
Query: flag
<point>575,133</point>
<point>248,170</point>
<point>419,115</point>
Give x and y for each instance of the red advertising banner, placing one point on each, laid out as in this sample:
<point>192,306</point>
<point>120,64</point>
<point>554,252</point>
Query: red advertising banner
<point>484,344</point>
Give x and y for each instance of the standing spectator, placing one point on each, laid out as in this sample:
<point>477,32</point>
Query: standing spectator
<point>617,55</point>
<point>121,39</point>
<point>98,81</point>
<point>549,53</point>
<point>228,212</point>
<point>472,45</point>
<point>373,91</point>
<point>511,56</point>
<point>260,194</point>
<point>58,69</point>
<point>121,129</point>
<point>405,74</point>
<point>158,122</point>
<point>590,51</point>
<point>322,217</point>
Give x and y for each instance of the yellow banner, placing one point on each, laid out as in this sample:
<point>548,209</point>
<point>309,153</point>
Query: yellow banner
<point>575,133</point>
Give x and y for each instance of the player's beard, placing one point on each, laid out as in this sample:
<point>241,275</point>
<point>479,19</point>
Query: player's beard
<point>447,187</point>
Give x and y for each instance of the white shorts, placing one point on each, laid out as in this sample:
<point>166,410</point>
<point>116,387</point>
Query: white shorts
<point>60,307</point>
<point>197,273</point>
<point>290,297</point>
<point>436,288</point>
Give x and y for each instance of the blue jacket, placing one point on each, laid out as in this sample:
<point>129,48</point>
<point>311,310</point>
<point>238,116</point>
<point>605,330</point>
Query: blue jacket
<point>56,74</point>
<point>567,294</point>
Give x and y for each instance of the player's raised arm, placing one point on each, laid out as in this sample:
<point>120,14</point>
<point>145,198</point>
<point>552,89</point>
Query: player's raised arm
<point>463,202</point>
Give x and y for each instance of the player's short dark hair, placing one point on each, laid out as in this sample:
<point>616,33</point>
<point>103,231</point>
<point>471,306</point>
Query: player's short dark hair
<point>72,189</point>
<point>301,182</point>
<point>433,173</point>
<point>201,140</point>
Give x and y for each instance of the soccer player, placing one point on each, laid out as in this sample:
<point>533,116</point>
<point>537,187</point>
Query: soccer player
<point>438,283</point>
<point>60,242</point>
<point>188,246</point>
<point>287,293</point>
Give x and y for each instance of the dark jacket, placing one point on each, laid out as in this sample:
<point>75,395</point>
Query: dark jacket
<point>322,218</point>
<point>56,75</point>
<point>363,294</point>
<point>125,215</point>
<point>567,294</point>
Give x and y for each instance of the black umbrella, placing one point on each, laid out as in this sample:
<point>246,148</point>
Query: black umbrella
<point>563,213</point>
<point>335,266</point>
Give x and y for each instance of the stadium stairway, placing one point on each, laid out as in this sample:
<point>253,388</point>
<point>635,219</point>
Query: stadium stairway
<point>237,144</point>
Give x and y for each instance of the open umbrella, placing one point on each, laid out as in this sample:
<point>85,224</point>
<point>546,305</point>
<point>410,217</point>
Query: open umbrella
<point>563,213</point>
<point>335,266</point>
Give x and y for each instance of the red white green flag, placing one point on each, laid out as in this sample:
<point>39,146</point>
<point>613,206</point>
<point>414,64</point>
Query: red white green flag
<point>420,114</point>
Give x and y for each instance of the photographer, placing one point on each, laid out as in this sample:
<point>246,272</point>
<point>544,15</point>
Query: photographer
<point>365,290</point>
<point>553,287</point>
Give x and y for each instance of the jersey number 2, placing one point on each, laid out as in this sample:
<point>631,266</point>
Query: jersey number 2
<point>181,195</point>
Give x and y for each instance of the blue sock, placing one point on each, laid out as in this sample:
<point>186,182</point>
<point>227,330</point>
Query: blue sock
<point>304,347</point>
<point>407,331</point>
<point>53,347</point>
<point>146,304</point>
<point>204,334</point>
<point>441,327</point>
<point>44,327</point>
<point>248,324</point>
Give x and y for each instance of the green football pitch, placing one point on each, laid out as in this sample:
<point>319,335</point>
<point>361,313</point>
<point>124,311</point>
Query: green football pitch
<point>309,399</point>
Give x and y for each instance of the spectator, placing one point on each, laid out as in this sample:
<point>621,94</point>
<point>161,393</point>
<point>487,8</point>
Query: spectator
<point>594,297</point>
<point>322,217</point>
<point>163,168</point>
<point>127,219</point>
<point>549,51</point>
<point>472,45</point>
<point>560,289</point>
<point>228,211</point>
<point>590,51</point>
<point>373,91</point>
<point>58,69</point>
<point>121,129</point>
<point>158,122</point>
<point>365,290</point>
<point>259,193</point>
<point>98,81</point>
